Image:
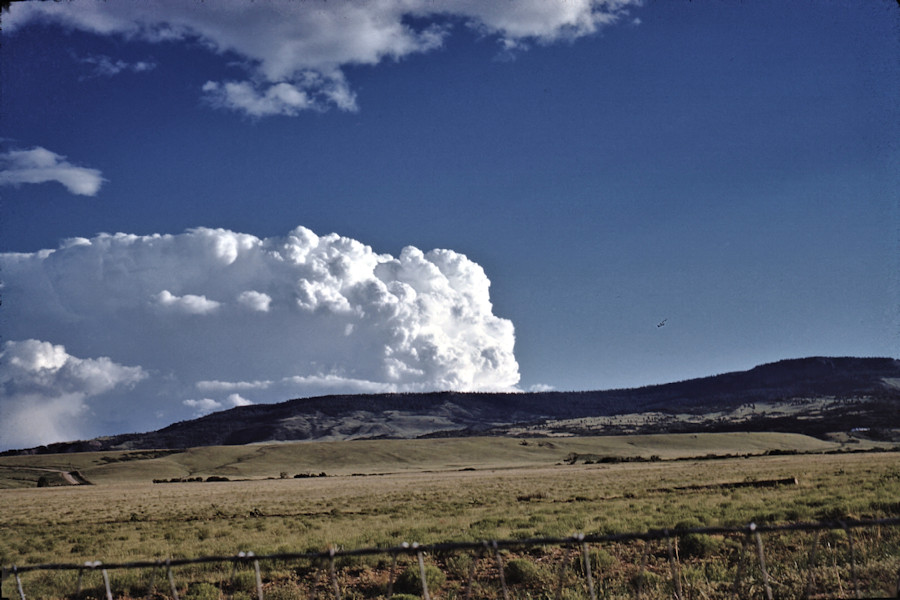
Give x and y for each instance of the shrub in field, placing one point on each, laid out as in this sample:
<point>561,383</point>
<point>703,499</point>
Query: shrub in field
<point>202,591</point>
<point>690,523</point>
<point>522,571</point>
<point>646,581</point>
<point>244,581</point>
<point>405,597</point>
<point>410,581</point>
<point>600,561</point>
<point>698,545</point>
<point>458,565</point>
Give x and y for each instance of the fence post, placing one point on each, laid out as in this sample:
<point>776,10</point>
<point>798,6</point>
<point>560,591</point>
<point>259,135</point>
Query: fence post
<point>106,583</point>
<point>331,571</point>
<point>171,580</point>
<point>587,566</point>
<point>259,589</point>
<point>762,561</point>
<point>500,569</point>
<point>421,560</point>
<point>18,583</point>
<point>390,591</point>
<point>676,575</point>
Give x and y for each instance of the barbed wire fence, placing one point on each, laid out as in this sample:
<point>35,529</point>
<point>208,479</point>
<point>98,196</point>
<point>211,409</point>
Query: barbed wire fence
<point>577,574</point>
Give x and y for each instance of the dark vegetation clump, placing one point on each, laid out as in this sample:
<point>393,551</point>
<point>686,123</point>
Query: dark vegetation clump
<point>600,560</point>
<point>698,545</point>
<point>532,496</point>
<point>137,455</point>
<point>521,571</point>
<point>410,580</point>
<point>592,459</point>
<point>189,479</point>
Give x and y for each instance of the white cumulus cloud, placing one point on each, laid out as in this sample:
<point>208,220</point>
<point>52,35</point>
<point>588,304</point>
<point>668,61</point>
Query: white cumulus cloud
<point>216,316</point>
<point>237,400</point>
<point>254,300</point>
<point>40,165</point>
<point>189,303</point>
<point>204,406</point>
<point>47,391</point>
<point>283,98</point>
<point>294,52</point>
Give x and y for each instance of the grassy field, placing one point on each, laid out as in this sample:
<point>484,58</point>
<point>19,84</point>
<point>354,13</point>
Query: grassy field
<point>389,456</point>
<point>382,493</point>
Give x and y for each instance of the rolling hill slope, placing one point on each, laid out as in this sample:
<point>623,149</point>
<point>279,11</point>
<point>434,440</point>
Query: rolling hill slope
<point>811,395</point>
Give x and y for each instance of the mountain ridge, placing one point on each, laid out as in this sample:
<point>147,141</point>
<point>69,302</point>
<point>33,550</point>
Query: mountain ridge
<point>813,395</point>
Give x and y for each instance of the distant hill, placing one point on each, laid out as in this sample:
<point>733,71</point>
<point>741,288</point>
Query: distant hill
<point>810,395</point>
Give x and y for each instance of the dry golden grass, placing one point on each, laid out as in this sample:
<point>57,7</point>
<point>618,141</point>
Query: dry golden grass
<point>112,521</point>
<point>493,491</point>
<point>388,456</point>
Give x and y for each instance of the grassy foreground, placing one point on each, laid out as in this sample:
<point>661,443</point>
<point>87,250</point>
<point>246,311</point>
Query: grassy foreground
<point>383,493</point>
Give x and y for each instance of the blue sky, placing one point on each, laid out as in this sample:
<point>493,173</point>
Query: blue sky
<point>728,167</point>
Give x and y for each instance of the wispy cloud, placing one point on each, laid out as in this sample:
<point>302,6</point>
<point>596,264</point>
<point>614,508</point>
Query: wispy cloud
<point>219,386</point>
<point>541,387</point>
<point>105,66</point>
<point>294,52</point>
<point>40,165</point>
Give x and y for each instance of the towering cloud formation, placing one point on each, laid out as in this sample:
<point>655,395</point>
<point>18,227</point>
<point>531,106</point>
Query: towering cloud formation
<point>213,318</point>
<point>295,51</point>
